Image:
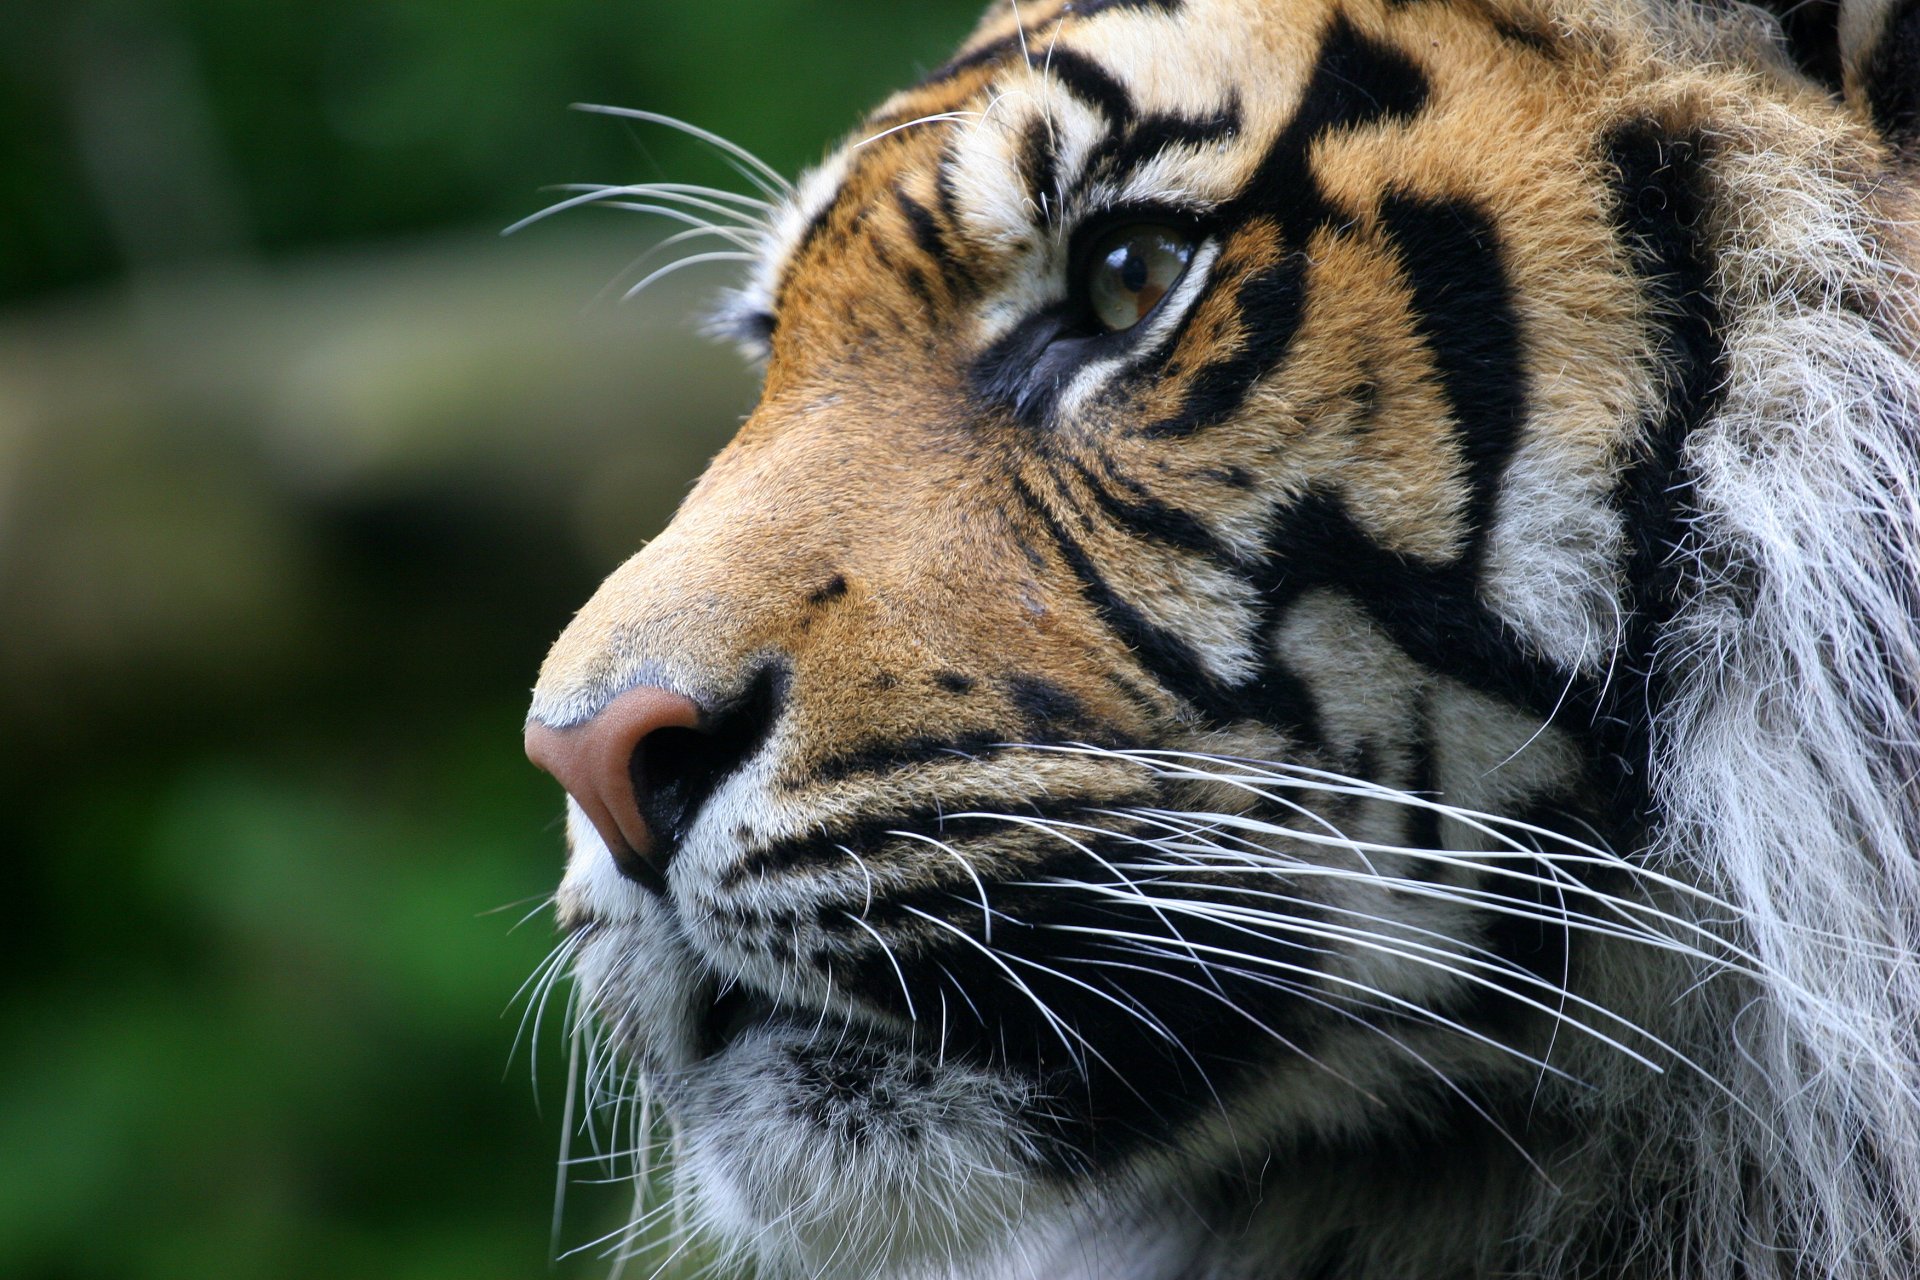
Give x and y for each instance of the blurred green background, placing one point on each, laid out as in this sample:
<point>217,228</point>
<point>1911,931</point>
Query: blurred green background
<point>301,467</point>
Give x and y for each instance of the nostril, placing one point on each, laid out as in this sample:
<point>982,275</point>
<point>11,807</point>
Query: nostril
<point>674,771</point>
<point>676,768</point>
<point>593,761</point>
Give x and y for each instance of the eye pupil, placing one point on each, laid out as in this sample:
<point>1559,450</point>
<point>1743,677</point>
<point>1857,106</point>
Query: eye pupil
<point>1132,269</point>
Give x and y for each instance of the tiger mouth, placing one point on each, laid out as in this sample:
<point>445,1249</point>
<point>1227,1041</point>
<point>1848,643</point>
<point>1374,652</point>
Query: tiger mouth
<point>732,1013</point>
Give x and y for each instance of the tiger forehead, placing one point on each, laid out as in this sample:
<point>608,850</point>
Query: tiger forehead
<point>1088,107</point>
<point>1007,124</point>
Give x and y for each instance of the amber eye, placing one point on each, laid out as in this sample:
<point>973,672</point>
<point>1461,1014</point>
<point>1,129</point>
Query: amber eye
<point>1131,269</point>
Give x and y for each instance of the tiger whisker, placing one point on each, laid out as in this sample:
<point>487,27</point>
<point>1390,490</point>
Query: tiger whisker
<point>566,1138</point>
<point>934,118</point>
<point>1352,912</point>
<point>640,262</point>
<point>769,179</point>
<point>619,1237</point>
<point>1491,825</point>
<point>689,261</point>
<point>906,992</point>
<point>986,909</point>
<point>541,904</point>
<point>1330,935</point>
<point>1463,895</point>
<point>536,988</point>
<point>536,1008</point>
<point>634,1218</point>
<point>1729,956</point>
<point>1382,1001</point>
<point>1255,922</point>
<point>1424,956</point>
<point>760,209</point>
<point>1258,858</point>
<point>1066,1034</point>
<point>676,195</point>
<point>739,239</point>
<point>595,194</point>
<point>1081,846</point>
<point>1212,989</point>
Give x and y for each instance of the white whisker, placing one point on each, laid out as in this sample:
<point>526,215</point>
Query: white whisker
<point>681,264</point>
<point>762,174</point>
<point>935,118</point>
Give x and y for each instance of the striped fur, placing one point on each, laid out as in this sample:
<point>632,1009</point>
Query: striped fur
<point>1402,763</point>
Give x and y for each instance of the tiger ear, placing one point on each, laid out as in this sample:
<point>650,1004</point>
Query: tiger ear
<point>1880,61</point>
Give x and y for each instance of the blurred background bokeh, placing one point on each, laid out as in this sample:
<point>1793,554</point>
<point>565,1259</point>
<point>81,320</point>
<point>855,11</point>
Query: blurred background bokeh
<point>301,467</point>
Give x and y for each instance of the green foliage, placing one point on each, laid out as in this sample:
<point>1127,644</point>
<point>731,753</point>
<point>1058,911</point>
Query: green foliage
<point>158,128</point>
<point>289,509</point>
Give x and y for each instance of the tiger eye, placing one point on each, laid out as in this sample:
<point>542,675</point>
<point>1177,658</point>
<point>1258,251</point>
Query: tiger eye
<point>1131,269</point>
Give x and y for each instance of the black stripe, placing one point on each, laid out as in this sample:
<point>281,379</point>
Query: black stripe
<point>1275,696</point>
<point>1356,81</point>
<point>1170,660</point>
<point>1423,824</point>
<point>1087,8</point>
<point>808,237</point>
<point>1432,612</point>
<point>1892,77</point>
<point>1661,196</point>
<point>1086,80</point>
<point>1046,713</point>
<point>1536,39</point>
<point>888,757</point>
<point>1040,164</point>
<point>1463,310</point>
<point>1121,153</point>
<point>992,51</point>
<point>1044,705</point>
<point>1148,517</point>
<point>1812,29</point>
<point>916,282</point>
<point>946,199</point>
<point>1038,37</point>
<point>834,588</point>
<point>865,835</point>
<point>932,241</point>
<point>1270,302</point>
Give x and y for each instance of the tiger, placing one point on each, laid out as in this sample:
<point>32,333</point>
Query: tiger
<point>1307,669</point>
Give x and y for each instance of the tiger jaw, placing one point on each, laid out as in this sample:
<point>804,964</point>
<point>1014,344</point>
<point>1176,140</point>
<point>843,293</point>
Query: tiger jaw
<point>826,1136</point>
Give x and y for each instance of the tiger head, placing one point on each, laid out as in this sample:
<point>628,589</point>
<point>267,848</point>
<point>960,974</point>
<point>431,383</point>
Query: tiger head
<point>1306,667</point>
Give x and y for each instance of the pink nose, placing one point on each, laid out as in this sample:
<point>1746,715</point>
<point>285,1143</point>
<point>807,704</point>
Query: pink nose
<point>600,765</point>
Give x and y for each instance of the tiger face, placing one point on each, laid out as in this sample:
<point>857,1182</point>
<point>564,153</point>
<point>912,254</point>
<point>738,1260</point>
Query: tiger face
<point>1138,759</point>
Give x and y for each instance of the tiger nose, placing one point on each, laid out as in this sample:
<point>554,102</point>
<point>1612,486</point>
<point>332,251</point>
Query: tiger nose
<point>604,766</point>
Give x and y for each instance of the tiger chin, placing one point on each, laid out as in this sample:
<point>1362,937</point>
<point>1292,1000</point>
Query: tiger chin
<point>1307,669</point>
